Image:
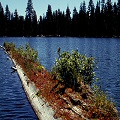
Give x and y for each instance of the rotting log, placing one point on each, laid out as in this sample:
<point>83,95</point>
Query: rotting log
<point>40,106</point>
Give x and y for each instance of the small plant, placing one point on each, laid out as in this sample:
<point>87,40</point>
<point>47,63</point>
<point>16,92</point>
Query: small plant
<point>28,53</point>
<point>26,56</point>
<point>40,68</point>
<point>9,46</point>
<point>31,54</point>
<point>103,103</point>
<point>69,67</point>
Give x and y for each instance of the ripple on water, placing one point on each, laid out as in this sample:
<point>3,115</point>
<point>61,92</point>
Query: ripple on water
<point>105,50</point>
<point>13,101</point>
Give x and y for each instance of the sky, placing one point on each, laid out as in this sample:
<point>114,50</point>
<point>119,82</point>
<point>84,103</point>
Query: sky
<point>40,6</point>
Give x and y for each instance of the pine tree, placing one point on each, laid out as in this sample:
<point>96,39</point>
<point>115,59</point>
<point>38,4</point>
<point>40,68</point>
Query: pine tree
<point>83,20</point>
<point>74,28</point>
<point>91,21</point>
<point>98,20</point>
<point>103,26</point>
<point>7,21</point>
<point>29,18</point>
<point>61,23</point>
<point>34,24</point>
<point>109,18</point>
<point>40,26</point>
<point>55,23</point>
<point>15,23</point>
<point>2,21</point>
<point>118,17</point>
<point>21,31</point>
<point>68,22</point>
<point>49,21</point>
<point>115,20</point>
<point>29,10</point>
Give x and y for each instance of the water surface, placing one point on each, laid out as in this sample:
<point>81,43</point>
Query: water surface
<point>13,101</point>
<point>105,50</point>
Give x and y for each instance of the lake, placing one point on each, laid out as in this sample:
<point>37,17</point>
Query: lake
<point>13,101</point>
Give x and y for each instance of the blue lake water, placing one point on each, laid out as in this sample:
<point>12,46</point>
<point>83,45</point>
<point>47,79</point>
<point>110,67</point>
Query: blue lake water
<point>13,101</point>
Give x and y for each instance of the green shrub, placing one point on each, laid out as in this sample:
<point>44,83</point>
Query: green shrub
<point>31,53</point>
<point>103,102</point>
<point>71,66</point>
<point>28,53</point>
<point>9,46</point>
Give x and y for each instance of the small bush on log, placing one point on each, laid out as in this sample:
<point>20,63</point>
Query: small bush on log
<point>9,46</point>
<point>70,66</point>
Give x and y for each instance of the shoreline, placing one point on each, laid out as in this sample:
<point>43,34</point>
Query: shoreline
<point>55,36</point>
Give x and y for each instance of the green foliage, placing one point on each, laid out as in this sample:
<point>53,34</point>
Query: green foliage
<point>104,103</point>
<point>29,9</point>
<point>25,56</point>
<point>70,67</point>
<point>28,53</point>
<point>9,46</point>
<point>40,67</point>
<point>21,51</point>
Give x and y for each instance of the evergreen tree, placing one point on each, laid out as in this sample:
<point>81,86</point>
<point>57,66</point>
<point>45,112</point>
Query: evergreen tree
<point>68,22</point>
<point>109,18</point>
<point>49,20</point>
<point>118,18</point>
<point>61,23</point>
<point>103,26</point>
<point>55,23</point>
<point>44,25</point>
<point>40,26</point>
<point>115,20</point>
<point>2,21</point>
<point>11,27</point>
<point>83,20</point>
<point>21,26</point>
<point>102,6</point>
<point>7,21</point>
<point>7,13</point>
<point>15,24</point>
<point>28,26</point>
<point>74,27</point>
<point>91,22</point>
<point>29,18</point>
<point>34,24</point>
<point>98,20</point>
<point>29,10</point>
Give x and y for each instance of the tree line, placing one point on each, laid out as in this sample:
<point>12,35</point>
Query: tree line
<point>100,20</point>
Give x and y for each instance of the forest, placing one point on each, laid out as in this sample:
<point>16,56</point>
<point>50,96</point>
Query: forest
<point>100,20</point>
